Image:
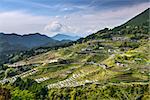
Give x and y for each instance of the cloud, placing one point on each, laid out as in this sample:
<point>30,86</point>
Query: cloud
<point>58,27</point>
<point>87,22</point>
<point>79,23</point>
<point>54,26</point>
<point>21,22</point>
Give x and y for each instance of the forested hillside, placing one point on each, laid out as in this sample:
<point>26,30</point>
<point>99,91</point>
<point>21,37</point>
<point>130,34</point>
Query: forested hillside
<point>111,64</point>
<point>12,44</point>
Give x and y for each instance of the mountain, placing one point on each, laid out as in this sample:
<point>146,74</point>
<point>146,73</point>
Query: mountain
<point>140,19</point>
<point>61,37</point>
<point>131,29</point>
<point>109,64</point>
<point>29,41</point>
<point>11,43</point>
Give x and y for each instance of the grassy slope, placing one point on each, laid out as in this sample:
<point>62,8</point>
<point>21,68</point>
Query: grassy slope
<point>135,60</point>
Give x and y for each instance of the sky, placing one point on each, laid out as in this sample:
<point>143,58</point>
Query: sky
<point>72,17</point>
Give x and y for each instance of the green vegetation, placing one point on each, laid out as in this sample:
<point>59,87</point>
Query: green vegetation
<point>98,92</point>
<point>29,86</point>
<point>111,64</point>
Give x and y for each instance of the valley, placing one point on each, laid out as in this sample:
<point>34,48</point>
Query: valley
<point>111,64</point>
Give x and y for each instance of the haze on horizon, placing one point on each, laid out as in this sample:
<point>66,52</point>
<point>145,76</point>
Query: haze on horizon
<point>72,17</point>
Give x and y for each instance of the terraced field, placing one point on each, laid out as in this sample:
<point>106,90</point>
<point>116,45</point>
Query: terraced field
<point>76,66</point>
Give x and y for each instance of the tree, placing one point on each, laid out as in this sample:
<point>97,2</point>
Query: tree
<point>18,94</point>
<point>31,85</point>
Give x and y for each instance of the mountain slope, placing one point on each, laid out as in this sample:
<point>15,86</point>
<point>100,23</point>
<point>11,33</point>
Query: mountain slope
<point>141,19</point>
<point>135,28</point>
<point>110,64</point>
<point>29,41</point>
<point>11,43</point>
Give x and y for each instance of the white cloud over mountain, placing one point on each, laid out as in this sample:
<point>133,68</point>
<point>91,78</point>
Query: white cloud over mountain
<point>58,27</point>
<point>54,26</point>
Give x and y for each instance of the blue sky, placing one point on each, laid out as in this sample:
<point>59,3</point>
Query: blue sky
<point>74,17</point>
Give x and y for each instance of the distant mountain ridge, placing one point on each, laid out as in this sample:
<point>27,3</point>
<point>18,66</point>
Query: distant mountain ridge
<point>29,41</point>
<point>61,37</point>
<point>11,43</point>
